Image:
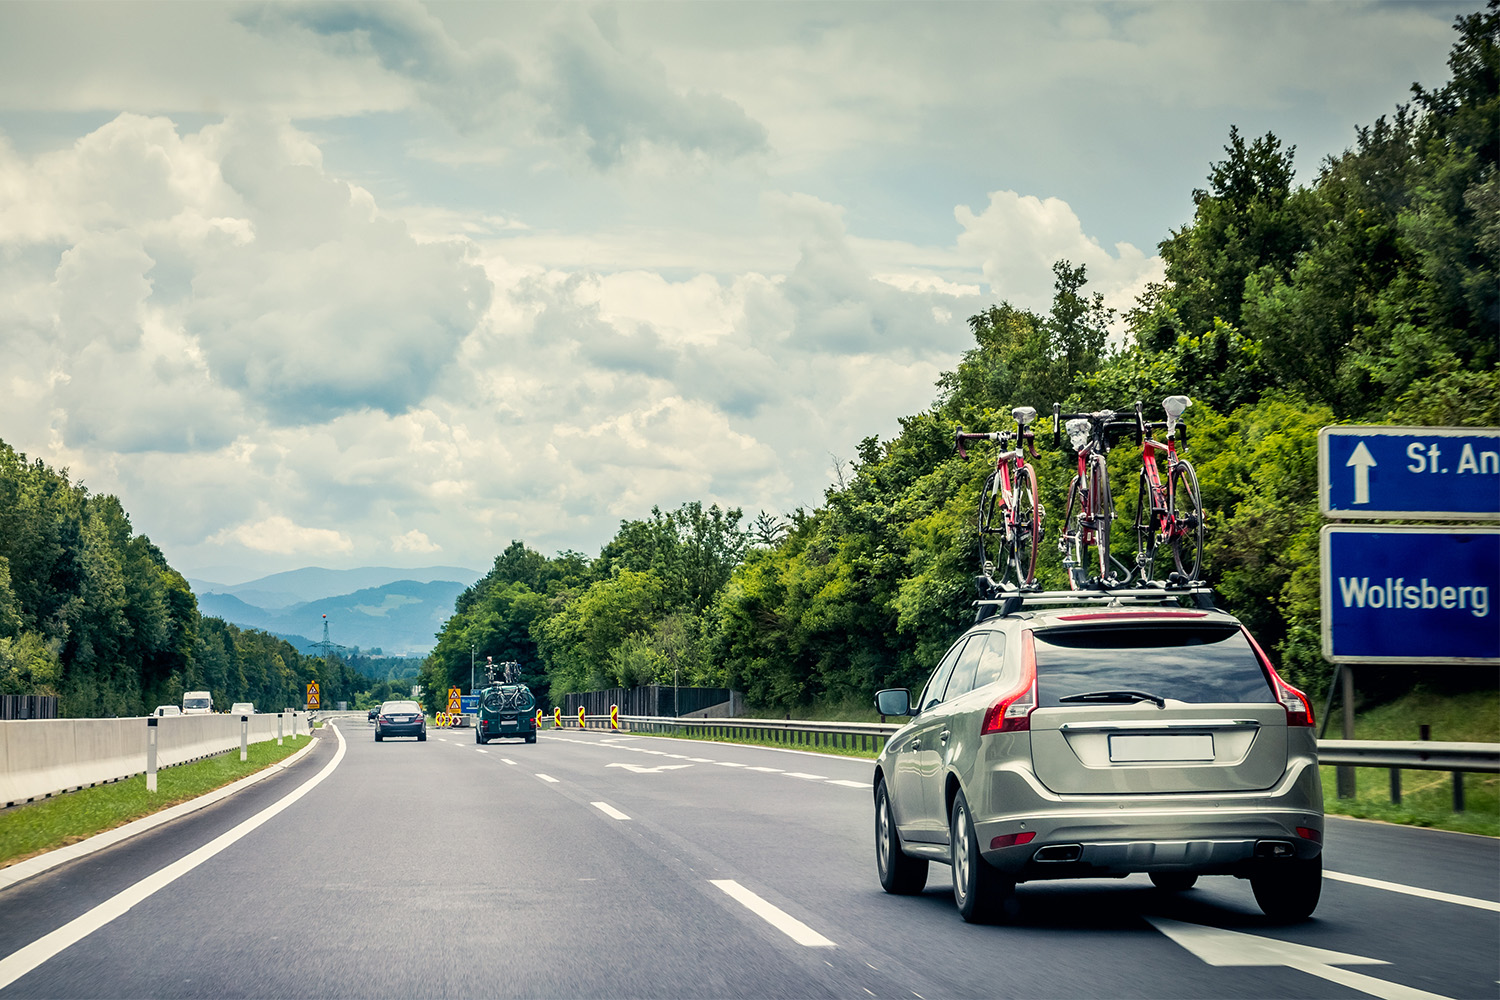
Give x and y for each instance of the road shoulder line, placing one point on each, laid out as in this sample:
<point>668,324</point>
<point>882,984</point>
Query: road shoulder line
<point>22,870</point>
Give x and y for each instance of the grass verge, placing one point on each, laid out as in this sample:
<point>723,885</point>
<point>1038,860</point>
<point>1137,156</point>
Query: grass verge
<point>1426,796</point>
<point>42,826</point>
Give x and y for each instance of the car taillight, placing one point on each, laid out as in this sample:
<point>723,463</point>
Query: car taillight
<point>1298,709</point>
<point>1012,840</point>
<point>1012,712</point>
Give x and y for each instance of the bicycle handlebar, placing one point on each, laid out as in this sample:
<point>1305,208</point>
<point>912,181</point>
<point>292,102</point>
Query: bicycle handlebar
<point>999,437</point>
<point>1104,420</point>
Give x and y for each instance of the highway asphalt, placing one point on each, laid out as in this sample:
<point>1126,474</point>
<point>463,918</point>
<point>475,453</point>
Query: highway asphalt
<point>598,865</point>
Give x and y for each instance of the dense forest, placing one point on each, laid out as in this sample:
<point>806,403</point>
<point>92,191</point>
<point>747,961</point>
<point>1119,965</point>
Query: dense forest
<point>1370,295</point>
<point>92,612</point>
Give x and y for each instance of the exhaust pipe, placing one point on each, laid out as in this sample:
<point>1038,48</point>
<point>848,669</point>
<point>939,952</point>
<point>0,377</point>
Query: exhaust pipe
<point>1274,849</point>
<point>1059,853</point>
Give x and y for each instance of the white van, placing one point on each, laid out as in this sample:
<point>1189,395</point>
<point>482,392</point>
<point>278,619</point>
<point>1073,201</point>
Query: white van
<point>242,708</point>
<point>197,703</point>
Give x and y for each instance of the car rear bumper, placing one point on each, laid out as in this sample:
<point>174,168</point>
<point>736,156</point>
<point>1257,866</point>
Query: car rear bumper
<point>1080,836</point>
<point>390,730</point>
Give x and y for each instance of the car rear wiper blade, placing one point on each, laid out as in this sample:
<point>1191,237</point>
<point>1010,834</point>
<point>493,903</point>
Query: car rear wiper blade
<point>1121,696</point>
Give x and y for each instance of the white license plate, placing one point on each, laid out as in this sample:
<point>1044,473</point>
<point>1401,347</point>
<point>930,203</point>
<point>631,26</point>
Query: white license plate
<point>1130,749</point>
<point>507,722</point>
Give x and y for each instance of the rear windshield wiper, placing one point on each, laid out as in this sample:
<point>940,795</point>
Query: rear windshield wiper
<point>1121,696</point>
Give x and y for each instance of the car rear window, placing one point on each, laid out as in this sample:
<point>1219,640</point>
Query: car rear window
<point>1203,664</point>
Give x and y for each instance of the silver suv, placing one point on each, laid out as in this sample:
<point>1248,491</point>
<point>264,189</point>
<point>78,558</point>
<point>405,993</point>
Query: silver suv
<point>1099,741</point>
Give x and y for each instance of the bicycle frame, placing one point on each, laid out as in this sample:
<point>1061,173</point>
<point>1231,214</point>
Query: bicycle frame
<point>1164,523</point>
<point>1091,487</point>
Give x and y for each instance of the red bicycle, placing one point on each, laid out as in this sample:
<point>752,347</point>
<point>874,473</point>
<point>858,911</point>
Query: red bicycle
<point>1170,512</point>
<point>1090,511</point>
<point>1010,514</point>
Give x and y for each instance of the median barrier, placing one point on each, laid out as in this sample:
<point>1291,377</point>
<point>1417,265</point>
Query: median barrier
<point>42,757</point>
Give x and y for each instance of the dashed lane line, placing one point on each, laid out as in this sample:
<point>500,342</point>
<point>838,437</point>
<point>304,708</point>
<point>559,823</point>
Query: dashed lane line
<point>609,810</point>
<point>547,778</point>
<point>773,915</point>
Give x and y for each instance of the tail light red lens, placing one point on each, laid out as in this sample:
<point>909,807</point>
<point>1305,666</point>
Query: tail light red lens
<point>1012,712</point>
<point>1308,833</point>
<point>1298,709</point>
<point>1012,840</point>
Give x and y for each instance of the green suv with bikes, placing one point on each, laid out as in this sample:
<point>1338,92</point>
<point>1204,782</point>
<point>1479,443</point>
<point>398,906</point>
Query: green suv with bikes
<point>507,709</point>
<point>1121,726</point>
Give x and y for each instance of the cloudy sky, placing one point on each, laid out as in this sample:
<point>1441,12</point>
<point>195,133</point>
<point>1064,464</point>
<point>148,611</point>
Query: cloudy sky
<point>387,284</point>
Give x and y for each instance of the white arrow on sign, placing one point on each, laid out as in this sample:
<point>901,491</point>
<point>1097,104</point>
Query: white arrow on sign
<point>1234,948</point>
<point>638,769</point>
<point>1363,462</point>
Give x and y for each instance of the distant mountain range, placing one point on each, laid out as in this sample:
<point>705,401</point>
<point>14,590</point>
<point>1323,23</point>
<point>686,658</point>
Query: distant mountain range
<point>398,611</point>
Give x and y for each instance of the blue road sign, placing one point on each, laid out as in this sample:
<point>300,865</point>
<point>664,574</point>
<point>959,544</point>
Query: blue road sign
<point>469,704</point>
<point>1433,473</point>
<point>1411,595</point>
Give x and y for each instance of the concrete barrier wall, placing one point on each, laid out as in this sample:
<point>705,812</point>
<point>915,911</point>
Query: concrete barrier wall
<point>40,757</point>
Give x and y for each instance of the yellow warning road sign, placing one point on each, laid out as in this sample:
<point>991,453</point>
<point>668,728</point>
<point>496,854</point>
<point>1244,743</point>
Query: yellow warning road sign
<point>312,695</point>
<point>455,701</point>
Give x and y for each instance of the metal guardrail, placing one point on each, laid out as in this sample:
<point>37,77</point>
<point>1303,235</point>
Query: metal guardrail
<point>1395,755</point>
<point>1412,755</point>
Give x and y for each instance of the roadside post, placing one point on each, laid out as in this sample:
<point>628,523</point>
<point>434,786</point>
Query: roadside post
<point>280,719</point>
<point>244,738</point>
<point>151,754</point>
<point>1407,594</point>
<point>557,717</point>
<point>581,724</point>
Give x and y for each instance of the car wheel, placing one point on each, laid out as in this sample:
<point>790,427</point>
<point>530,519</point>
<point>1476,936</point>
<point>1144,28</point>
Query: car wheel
<point>422,736</point>
<point>1289,890</point>
<point>377,736</point>
<point>900,874</point>
<point>978,888</point>
<point>531,738</point>
<point>1173,881</point>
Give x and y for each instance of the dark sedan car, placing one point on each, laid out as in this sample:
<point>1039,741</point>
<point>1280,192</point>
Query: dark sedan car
<point>401,718</point>
<point>374,713</point>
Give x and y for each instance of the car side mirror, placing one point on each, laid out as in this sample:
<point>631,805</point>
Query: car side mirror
<point>893,701</point>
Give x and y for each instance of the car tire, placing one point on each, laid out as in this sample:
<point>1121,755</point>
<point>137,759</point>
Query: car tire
<point>377,736</point>
<point>531,738</point>
<point>1289,890</point>
<point>1173,881</point>
<point>422,737</point>
<point>979,890</point>
<point>900,874</point>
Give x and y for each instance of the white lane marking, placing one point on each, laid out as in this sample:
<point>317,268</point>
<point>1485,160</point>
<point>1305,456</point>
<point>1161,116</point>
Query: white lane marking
<point>642,769</point>
<point>848,784</point>
<point>480,750</point>
<point>809,777</point>
<point>509,761</point>
<point>1218,947</point>
<point>43,862</point>
<point>547,778</point>
<point>773,915</point>
<point>766,770</point>
<point>609,810</point>
<point>1441,897</point>
<point>43,949</point>
<point>700,760</point>
<point>729,763</point>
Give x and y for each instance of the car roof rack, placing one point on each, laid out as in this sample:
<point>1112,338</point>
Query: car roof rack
<point>1009,601</point>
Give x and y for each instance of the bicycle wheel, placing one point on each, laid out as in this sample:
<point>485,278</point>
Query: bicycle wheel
<point>1186,507</point>
<point>1070,543</point>
<point>1018,551</point>
<point>992,528</point>
<point>1104,514</point>
<point>1145,530</point>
